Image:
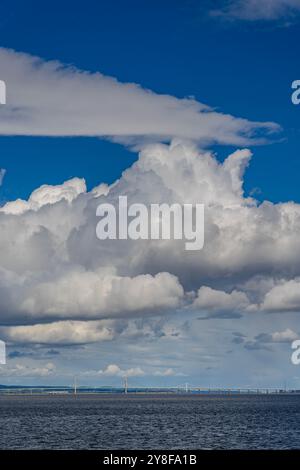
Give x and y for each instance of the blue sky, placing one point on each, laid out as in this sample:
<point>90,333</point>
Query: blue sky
<point>225,316</point>
<point>170,47</point>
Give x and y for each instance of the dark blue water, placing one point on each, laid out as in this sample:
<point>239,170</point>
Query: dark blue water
<point>145,422</point>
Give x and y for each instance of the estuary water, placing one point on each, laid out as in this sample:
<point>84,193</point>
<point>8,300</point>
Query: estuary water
<point>150,422</point>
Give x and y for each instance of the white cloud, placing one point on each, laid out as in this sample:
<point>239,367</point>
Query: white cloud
<point>46,194</point>
<point>48,98</point>
<point>283,297</point>
<point>211,300</point>
<point>24,370</point>
<point>74,332</point>
<point>64,332</point>
<point>113,370</point>
<point>263,341</point>
<point>96,294</point>
<point>252,10</point>
<point>167,373</point>
<point>54,269</point>
<point>285,336</point>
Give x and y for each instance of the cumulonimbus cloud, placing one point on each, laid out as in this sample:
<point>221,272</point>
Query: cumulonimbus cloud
<point>51,99</point>
<point>57,278</point>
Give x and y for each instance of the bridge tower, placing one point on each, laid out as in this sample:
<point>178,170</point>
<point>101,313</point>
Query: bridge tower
<point>126,384</point>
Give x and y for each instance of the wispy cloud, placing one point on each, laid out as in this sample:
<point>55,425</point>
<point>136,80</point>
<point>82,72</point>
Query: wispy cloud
<point>25,370</point>
<point>254,10</point>
<point>2,174</point>
<point>51,99</point>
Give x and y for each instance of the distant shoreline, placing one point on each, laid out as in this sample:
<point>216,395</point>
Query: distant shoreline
<point>142,393</point>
